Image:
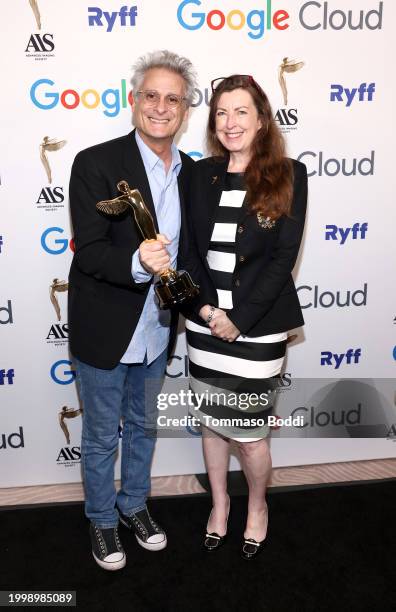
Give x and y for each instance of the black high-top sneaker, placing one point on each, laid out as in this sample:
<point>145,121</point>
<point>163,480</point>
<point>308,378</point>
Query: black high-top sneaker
<point>107,548</point>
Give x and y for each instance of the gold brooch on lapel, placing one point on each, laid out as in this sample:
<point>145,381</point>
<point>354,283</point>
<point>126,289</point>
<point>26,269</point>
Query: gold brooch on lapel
<point>214,179</point>
<point>265,222</point>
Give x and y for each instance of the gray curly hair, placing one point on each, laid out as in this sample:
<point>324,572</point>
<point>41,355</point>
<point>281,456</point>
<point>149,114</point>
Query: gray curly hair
<point>170,61</point>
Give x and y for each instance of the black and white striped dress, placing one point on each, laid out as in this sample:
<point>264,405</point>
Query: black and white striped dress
<point>231,379</point>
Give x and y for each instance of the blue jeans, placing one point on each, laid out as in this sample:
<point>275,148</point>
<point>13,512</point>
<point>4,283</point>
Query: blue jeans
<point>130,392</point>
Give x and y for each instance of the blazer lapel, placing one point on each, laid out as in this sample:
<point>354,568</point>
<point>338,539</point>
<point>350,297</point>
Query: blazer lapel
<point>214,188</point>
<point>183,220</point>
<point>136,173</point>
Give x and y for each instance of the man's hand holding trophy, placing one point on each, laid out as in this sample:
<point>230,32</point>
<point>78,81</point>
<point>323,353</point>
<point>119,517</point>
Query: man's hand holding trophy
<point>173,288</point>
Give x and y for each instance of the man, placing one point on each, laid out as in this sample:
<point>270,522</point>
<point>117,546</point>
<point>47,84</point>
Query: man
<point>118,335</point>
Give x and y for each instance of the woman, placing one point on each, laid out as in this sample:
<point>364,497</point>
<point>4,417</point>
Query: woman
<point>247,211</point>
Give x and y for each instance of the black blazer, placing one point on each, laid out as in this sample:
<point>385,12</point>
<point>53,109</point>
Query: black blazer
<point>104,301</point>
<point>263,292</point>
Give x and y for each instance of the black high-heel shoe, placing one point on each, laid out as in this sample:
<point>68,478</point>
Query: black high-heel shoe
<point>213,540</point>
<point>251,548</point>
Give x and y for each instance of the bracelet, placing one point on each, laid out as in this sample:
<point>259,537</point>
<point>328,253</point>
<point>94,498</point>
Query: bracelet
<point>211,314</point>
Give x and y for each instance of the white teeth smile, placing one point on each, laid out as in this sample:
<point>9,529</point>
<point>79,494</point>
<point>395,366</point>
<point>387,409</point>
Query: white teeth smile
<point>158,120</point>
<point>233,134</point>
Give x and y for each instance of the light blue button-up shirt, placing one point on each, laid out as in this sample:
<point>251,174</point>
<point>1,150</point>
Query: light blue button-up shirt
<point>151,335</point>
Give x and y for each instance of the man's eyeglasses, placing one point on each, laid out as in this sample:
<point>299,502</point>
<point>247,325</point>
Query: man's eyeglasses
<point>243,79</point>
<point>150,97</point>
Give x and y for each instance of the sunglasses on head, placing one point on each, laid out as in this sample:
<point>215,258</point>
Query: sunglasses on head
<point>245,80</point>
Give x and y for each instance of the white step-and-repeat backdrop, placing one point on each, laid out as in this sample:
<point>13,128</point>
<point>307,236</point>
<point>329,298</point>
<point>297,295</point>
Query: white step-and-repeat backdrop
<point>66,69</point>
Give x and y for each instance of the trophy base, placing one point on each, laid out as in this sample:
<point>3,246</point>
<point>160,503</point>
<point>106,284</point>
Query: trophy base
<point>175,289</point>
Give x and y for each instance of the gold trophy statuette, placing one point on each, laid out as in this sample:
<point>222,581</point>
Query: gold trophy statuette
<point>173,288</point>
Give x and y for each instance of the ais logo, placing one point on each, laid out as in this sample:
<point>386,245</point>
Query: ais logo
<point>286,119</point>
<point>256,21</point>
<point>69,456</point>
<point>40,46</point>
<point>97,17</point>
<point>51,198</point>
<point>58,334</point>
<point>55,246</point>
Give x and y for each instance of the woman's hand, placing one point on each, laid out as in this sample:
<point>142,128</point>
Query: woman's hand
<point>222,327</point>
<point>204,312</point>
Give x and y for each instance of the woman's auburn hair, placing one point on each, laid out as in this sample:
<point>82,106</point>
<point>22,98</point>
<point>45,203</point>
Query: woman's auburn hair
<point>269,174</point>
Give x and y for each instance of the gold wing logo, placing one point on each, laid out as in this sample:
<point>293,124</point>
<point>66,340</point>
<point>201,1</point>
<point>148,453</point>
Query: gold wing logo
<point>287,66</point>
<point>49,144</point>
<point>57,287</point>
<point>36,12</point>
<point>67,413</point>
